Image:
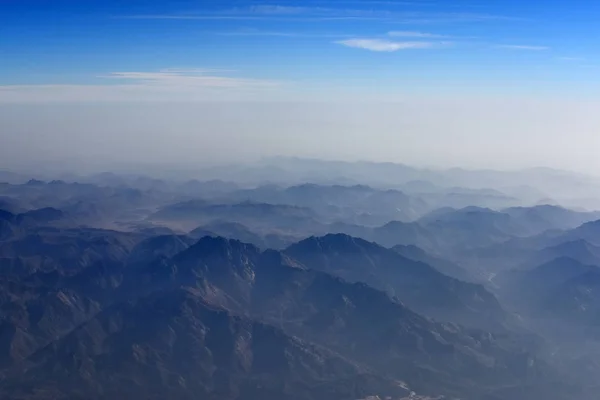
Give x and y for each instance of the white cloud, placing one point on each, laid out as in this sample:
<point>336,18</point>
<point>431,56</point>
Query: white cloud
<point>277,9</point>
<point>187,78</point>
<point>164,85</point>
<point>413,34</point>
<point>523,47</point>
<point>384,45</point>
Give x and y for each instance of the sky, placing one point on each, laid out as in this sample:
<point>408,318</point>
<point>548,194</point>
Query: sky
<point>471,83</point>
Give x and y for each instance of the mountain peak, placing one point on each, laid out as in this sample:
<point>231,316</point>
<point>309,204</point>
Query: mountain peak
<point>46,214</point>
<point>35,182</point>
<point>273,257</point>
<point>409,249</point>
<point>576,245</point>
<point>563,263</point>
<point>210,242</point>
<point>591,225</point>
<point>333,242</point>
<point>218,246</point>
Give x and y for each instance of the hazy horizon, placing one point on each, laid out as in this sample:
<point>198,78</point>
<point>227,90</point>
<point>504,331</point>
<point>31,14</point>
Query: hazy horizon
<point>443,134</point>
<point>501,85</point>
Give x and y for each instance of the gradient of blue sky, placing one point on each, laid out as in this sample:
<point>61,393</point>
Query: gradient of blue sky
<point>491,45</point>
<point>472,83</point>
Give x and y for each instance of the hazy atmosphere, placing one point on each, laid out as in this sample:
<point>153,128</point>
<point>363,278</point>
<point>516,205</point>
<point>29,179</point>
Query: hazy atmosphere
<point>299,200</point>
<point>426,83</point>
<point>486,133</point>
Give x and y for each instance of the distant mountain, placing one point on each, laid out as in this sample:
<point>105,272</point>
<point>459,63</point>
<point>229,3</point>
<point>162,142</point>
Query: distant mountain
<point>201,232</point>
<point>450,214</point>
<point>259,215</point>
<point>579,249</point>
<point>589,232</point>
<point>88,203</point>
<point>576,301</point>
<point>418,285</point>
<point>395,232</point>
<point>43,215</point>
<point>35,182</point>
<point>548,275</point>
<point>470,227</point>
<point>442,231</point>
<point>528,290</point>
<point>13,225</point>
<point>359,204</point>
<point>444,266</point>
<point>388,235</point>
<point>563,291</point>
<point>230,230</point>
<point>569,187</point>
<point>7,216</point>
<point>10,204</point>
<point>538,219</point>
<point>32,217</point>
<point>12,177</point>
<point>212,188</point>
<point>270,239</point>
<point>487,240</point>
<point>7,224</point>
<point>182,209</point>
<point>159,246</point>
<point>581,243</point>
<point>154,230</point>
<point>516,221</point>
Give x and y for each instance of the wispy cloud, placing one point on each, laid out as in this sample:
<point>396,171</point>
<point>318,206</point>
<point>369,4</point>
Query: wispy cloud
<point>572,58</point>
<point>189,78</point>
<point>390,3</point>
<point>257,32</point>
<point>394,34</point>
<point>522,47</point>
<point>383,45</point>
<point>163,85</point>
<point>414,34</point>
<point>276,9</point>
<point>382,13</point>
<point>190,17</point>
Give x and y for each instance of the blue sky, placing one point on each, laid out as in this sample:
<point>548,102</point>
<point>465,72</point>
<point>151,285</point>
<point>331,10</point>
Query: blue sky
<point>490,46</point>
<point>469,83</point>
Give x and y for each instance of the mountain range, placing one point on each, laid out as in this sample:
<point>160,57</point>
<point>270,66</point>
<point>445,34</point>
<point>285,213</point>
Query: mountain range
<point>299,280</point>
<point>104,321</point>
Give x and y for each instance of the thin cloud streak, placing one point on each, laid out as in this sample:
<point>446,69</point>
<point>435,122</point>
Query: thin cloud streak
<point>314,13</point>
<point>414,34</point>
<point>168,84</point>
<point>381,45</point>
<point>400,19</point>
<point>572,58</point>
<point>382,3</point>
<point>277,9</point>
<point>192,78</point>
<point>280,34</point>
<point>522,47</point>
<point>190,17</point>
